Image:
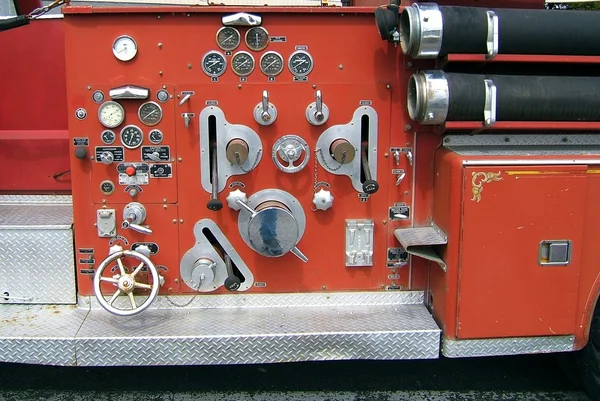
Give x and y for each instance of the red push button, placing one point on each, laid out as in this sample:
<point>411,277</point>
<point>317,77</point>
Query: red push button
<point>130,171</point>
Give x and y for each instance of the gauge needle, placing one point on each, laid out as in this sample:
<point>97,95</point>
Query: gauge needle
<point>123,49</point>
<point>242,63</point>
<point>227,38</point>
<point>273,62</point>
<point>213,62</point>
<point>149,114</point>
<point>299,62</point>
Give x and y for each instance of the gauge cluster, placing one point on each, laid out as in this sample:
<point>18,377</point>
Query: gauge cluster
<point>111,115</point>
<point>243,63</point>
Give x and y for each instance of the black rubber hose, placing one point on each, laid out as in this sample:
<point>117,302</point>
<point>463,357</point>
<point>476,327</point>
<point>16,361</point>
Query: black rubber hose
<point>14,22</point>
<point>525,98</point>
<point>551,32</point>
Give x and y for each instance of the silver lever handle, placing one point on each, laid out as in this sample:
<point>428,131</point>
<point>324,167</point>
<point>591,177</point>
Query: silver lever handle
<point>265,106</point>
<point>127,224</point>
<point>319,116</point>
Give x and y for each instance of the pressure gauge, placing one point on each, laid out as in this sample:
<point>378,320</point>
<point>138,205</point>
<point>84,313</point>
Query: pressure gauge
<point>214,64</point>
<point>108,137</point>
<point>124,48</point>
<point>257,38</point>
<point>271,63</point>
<point>131,136</point>
<point>155,136</point>
<point>111,114</point>
<point>242,64</point>
<point>300,63</point>
<point>150,113</point>
<point>228,38</point>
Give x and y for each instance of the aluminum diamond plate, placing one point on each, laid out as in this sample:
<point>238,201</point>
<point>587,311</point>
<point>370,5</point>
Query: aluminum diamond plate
<point>523,145</point>
<point>47,217</point>
<point>242,300</point>
<point>34,199</point>
<point>257,335</point>
<point>39,334</point>
<point>506,346</point>
<point>417,236</point>
<point>37,262</point>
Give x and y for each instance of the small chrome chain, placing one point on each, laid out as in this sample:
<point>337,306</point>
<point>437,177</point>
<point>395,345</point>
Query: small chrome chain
<point>319,151</point>
<point>237,159</point>
<point>185,304</point>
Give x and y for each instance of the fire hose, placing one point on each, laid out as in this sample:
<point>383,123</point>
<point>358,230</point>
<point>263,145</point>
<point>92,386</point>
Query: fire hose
<point>434,97</point>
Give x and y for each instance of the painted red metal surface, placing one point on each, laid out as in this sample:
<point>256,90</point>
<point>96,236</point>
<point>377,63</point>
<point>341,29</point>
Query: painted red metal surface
<point>33,109</point>
<point>342,73</point>
<point>494,286</point>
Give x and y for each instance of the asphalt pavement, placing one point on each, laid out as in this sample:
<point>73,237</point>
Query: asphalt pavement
<point>531,377</point>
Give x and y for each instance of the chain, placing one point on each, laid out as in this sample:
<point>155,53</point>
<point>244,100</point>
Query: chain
<point>237,160</point>
<point>316,172</point>
<point>185,304</point>
<point>319,151</point>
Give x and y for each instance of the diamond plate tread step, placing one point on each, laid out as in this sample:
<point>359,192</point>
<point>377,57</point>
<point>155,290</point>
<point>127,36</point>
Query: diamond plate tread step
<point>64,335</point>
<point>419,241</point>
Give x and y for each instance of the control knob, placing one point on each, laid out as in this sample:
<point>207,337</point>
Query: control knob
<point>265,113</point>
<point>323,199</point>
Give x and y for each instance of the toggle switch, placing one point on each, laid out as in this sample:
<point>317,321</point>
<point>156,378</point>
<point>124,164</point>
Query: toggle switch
<point>317,113</point>
<point>265,113</point>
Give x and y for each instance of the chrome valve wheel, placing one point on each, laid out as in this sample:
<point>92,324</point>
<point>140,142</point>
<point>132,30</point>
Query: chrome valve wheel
<point>126,283</point>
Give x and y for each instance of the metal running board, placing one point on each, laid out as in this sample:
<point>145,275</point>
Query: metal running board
<point>382,328</point>
<point>419,241</point>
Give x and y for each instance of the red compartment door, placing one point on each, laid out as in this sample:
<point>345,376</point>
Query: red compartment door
<point>506,213</point>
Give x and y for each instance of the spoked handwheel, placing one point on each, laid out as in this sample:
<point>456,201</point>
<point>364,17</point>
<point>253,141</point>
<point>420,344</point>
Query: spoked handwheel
<point>125,283</point>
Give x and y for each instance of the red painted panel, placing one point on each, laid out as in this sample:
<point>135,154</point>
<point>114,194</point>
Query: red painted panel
<point>507,212</point>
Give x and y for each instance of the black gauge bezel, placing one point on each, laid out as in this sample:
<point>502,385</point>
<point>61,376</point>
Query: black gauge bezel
<point>268,54</point>
<point>256,49</point>
<point>106,131</point>
<point>137,145</point>
<point>162,137</point>
<point>211,74</point>
<point>228,48</point>
<point>304,52</point>
<point>160,111</point>
<point>244,53</point>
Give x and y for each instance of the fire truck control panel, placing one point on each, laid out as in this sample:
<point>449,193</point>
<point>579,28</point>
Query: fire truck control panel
<point>241,183</point>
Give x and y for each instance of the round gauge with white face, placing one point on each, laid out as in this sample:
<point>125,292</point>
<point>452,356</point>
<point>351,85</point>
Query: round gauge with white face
<point>271,64</point>
<point>257,38</point>
<point>300,63</point>
<point>124,48</point>
<point>155,136</point>
<point>111,114</point>
<point>214,64</point>
<point>228,38</point>
<point>150,113</point>
<point>108,137</point>
<point>131,136</point>
<point>242,63</point>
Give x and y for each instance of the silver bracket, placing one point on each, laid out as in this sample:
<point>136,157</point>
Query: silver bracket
<point>129,92</point>
<point>241,19</point>
<point>492,35</point>
<point>489,110</point>
<point>359,243</point>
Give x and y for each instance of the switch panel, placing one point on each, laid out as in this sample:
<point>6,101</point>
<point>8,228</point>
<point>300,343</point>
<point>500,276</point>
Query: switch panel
<point>359,243</point>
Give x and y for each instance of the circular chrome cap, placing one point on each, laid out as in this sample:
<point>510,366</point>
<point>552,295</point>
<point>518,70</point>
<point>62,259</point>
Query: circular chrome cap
<point>273,231</point>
